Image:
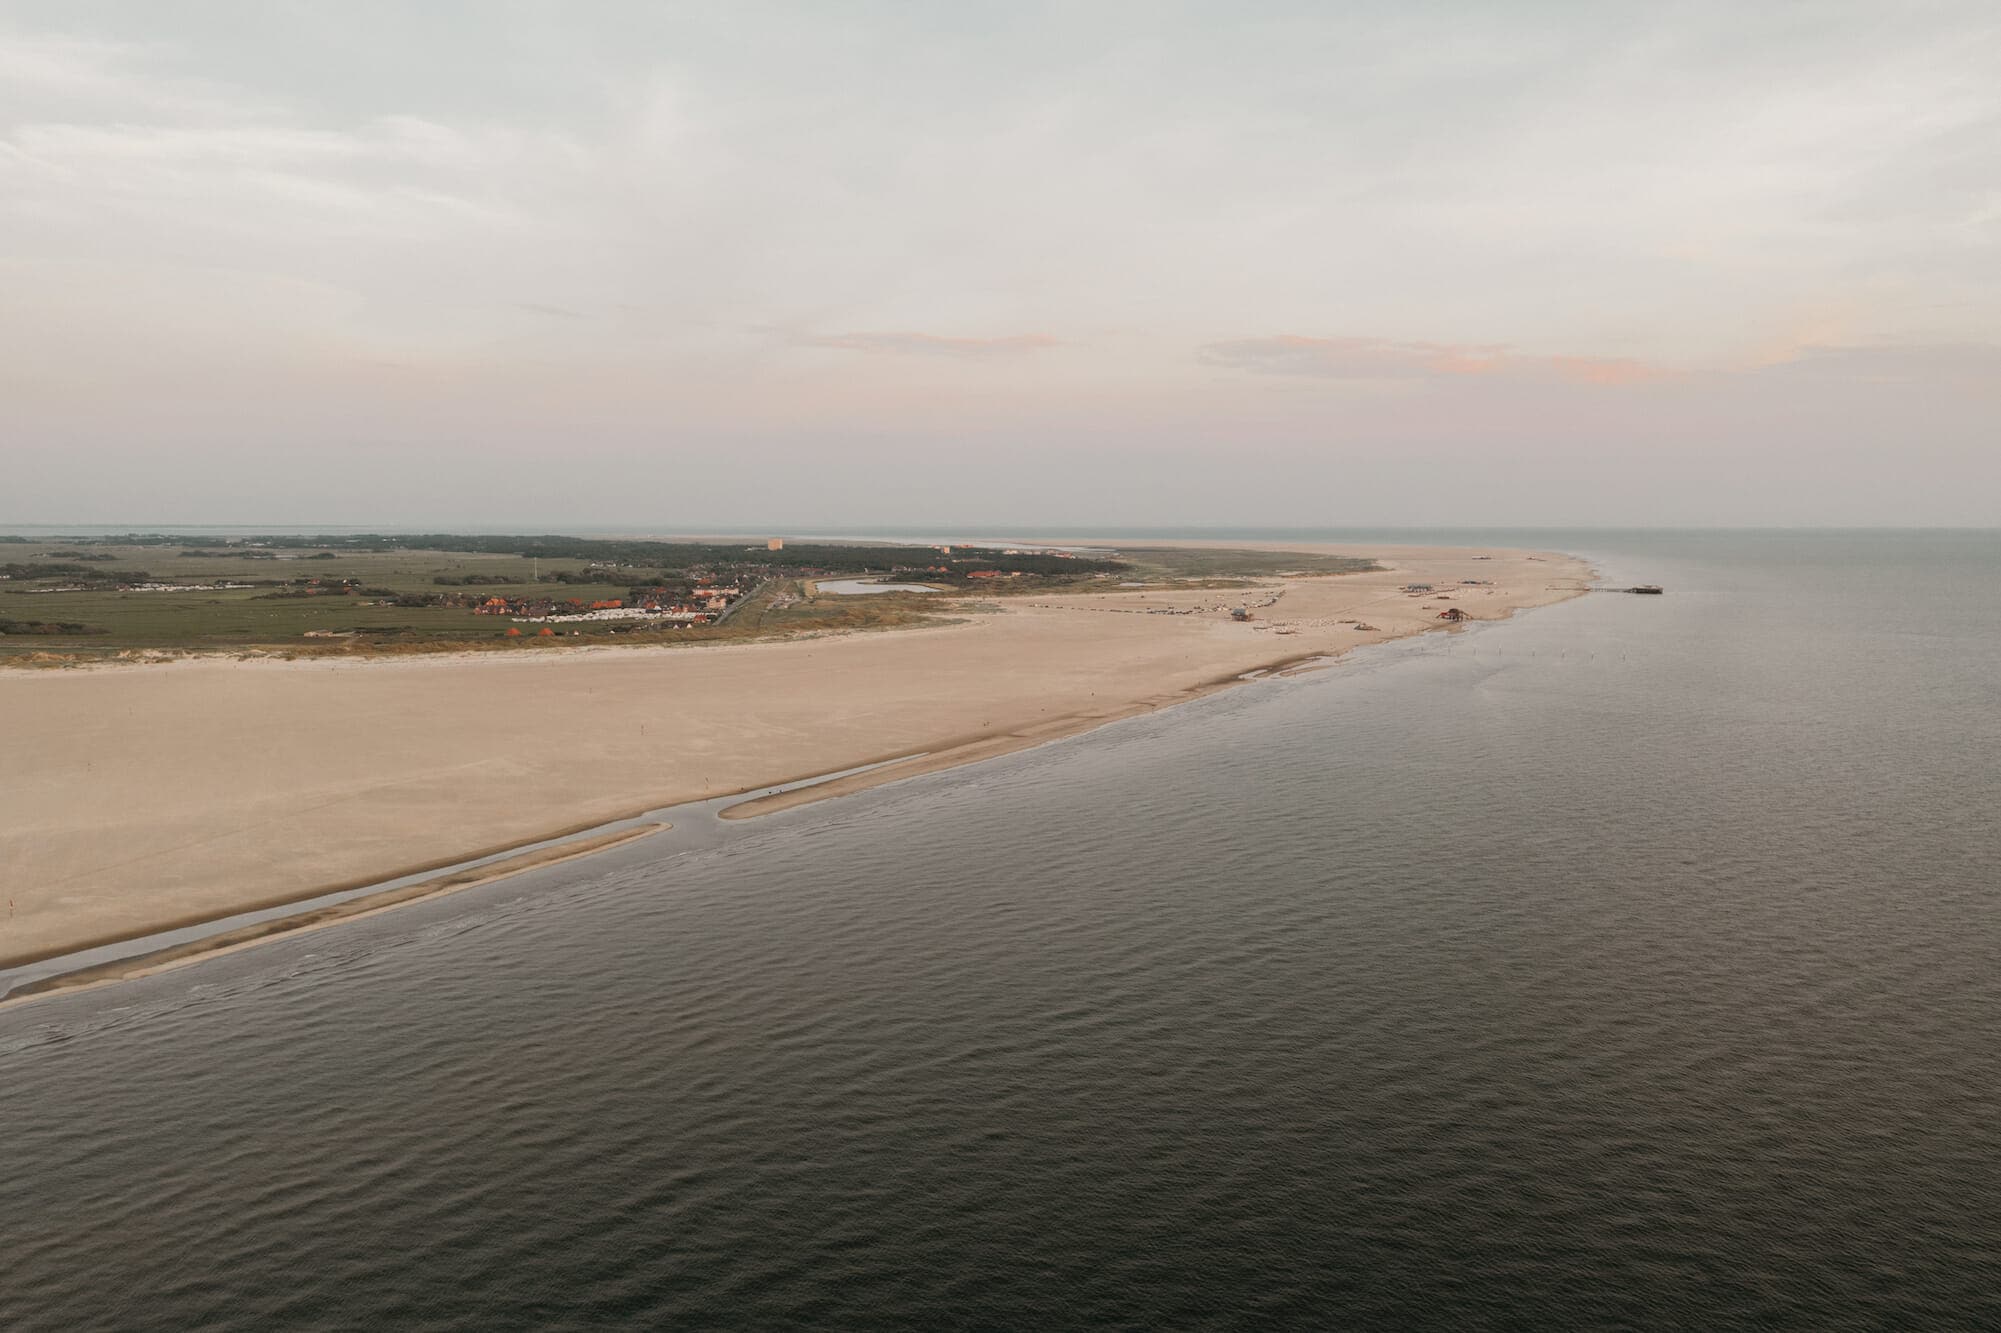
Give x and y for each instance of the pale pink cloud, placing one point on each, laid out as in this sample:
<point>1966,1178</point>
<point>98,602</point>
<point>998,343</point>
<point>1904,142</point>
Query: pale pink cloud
<point>930,344</point>
<point>1386,359</point>
<point>1975,366</point>
<point>1602,369</point>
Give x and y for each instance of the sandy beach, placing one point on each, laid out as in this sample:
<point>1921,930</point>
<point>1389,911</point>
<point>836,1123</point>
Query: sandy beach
<point>139,798</point>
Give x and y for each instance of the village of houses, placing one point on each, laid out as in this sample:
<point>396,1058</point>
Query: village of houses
<point>709,601</point>
<point>705,604</point>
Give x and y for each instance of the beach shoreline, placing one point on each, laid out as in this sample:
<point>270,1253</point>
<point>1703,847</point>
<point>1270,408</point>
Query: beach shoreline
<point>1166,650</point>
<point>151,962</point>
<point>578,840</point>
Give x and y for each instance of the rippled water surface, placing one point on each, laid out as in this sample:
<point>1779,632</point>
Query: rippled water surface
<point>1631,963</point>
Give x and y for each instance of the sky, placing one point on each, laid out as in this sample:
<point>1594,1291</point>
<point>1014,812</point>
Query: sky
<point>818,265</point>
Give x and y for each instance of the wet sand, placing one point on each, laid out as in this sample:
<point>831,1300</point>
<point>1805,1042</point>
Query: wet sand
<point>227,941</point>
<point>139,798</point>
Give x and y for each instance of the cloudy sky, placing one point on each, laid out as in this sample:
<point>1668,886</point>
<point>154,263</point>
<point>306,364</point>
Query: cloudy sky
<point>1104,264</point>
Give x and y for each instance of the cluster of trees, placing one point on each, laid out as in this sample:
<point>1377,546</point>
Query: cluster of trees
<point>731,559</point>
<point>185,539</point>
<point>234,553</point>
<point>326,588</point>
<point>48,627</point>
<point>627,553</point>
<point>60,569</point>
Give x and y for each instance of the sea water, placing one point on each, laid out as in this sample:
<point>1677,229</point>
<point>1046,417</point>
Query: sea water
<point>1632,962</point>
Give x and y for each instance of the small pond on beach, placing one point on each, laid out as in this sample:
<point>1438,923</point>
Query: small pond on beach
<point>855,587</point>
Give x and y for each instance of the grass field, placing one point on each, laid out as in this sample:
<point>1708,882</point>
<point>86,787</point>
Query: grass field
<point>126,621</point>
<point>249,617</point>
<point>245,619</point>
<point>1200,567</point>
<point>1201,562</point>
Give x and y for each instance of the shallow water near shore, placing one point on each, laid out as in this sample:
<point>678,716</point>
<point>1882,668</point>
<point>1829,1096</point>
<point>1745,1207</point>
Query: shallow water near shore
<point>866,587</point>
<point>1632,962</point>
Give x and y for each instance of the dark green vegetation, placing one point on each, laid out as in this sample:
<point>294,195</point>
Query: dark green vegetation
<point>75,599</point>
<point>68,569</point>
<point>65,627</point>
